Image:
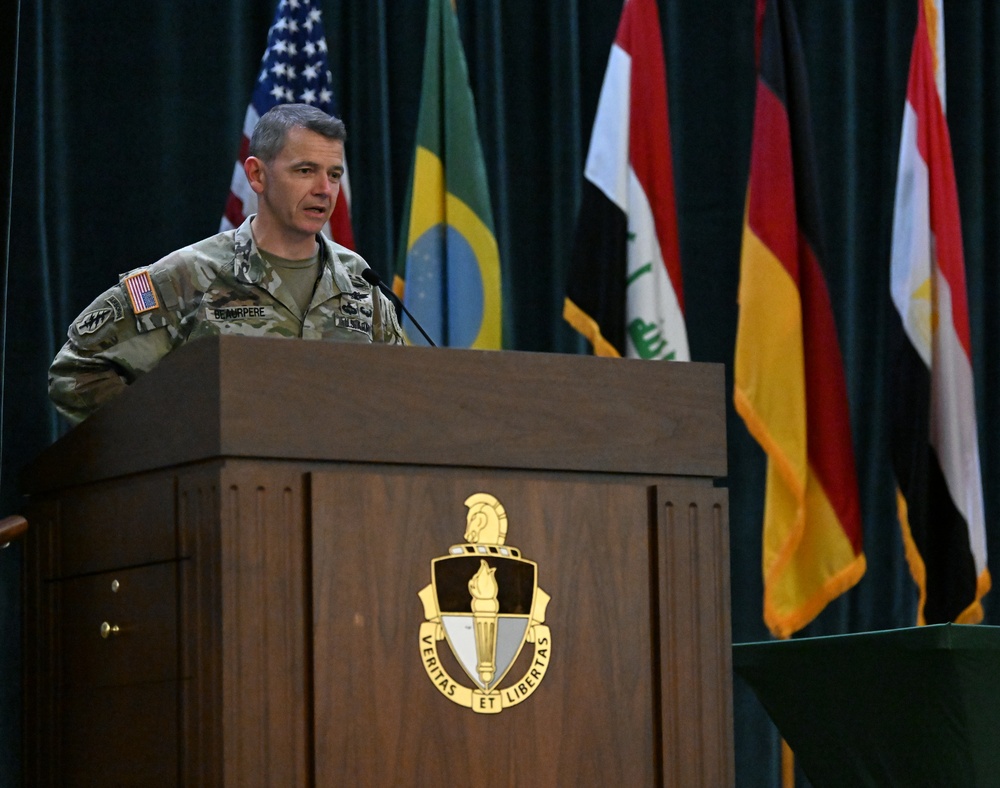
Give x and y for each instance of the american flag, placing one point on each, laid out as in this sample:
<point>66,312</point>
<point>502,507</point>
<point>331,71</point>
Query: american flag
<point>141,292</point>
<point>294,69</point>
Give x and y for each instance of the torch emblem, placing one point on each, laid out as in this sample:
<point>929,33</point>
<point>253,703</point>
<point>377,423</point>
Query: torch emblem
<point>484,600</point>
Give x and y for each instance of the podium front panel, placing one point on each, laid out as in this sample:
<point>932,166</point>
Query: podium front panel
<point>596,717</point>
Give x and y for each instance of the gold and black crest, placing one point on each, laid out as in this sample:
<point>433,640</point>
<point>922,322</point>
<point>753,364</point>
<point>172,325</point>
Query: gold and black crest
<point>484,600</point>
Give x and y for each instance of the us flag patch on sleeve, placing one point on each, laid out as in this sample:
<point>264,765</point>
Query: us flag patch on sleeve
<point>141,292</point>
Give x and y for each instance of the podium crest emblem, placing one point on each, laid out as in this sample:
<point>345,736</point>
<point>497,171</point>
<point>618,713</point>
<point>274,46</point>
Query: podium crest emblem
<point>484,602</point>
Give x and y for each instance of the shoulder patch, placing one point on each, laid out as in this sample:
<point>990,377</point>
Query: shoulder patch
<point>93,320</point>
<point>140,292</point>
<point>113,302</point>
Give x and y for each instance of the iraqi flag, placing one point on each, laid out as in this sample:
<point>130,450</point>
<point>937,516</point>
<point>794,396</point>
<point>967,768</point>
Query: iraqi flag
<point>788,373</point>
<point>935,449</point>
<point>624,291</point>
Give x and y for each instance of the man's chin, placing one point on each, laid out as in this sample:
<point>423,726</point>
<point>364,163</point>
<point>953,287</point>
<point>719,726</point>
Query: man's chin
<point>315,224</point>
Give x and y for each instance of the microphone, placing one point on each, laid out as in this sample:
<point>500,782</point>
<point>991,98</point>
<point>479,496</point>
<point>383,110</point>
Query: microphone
<point>376,281</point>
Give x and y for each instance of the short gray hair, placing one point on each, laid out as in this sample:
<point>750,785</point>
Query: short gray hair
<point>272,129</point>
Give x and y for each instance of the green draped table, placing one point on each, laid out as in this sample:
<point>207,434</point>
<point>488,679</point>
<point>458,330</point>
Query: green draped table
<point>906,707</point>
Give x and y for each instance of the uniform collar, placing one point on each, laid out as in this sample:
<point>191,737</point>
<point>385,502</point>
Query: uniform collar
<point>249,267</point>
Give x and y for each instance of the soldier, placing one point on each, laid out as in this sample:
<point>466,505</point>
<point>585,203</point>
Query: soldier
<point>275,275</point>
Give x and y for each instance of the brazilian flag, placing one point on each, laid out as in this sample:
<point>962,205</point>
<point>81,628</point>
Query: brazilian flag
<point>449,274</point>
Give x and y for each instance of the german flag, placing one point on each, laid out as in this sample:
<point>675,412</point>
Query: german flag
<point>789,379</point>
<point>935,448</point>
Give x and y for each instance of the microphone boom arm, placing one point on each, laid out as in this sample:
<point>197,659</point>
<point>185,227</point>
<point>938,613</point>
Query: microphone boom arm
<point>375,280</point>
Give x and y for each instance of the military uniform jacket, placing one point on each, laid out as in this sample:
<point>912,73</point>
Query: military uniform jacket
<point>217,286</point>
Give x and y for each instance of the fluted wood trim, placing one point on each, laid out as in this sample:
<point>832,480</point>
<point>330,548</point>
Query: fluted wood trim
<point>266,658</point>
<point>200,627</point>
<point>695,638</point>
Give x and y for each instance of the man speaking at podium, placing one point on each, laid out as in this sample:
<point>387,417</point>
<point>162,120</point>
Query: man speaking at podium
<point>274,275</point>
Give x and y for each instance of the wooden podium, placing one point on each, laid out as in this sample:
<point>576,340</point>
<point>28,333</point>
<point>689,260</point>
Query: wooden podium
<point>224,565</point>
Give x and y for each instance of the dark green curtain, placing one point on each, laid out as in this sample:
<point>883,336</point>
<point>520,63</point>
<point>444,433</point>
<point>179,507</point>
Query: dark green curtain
<point>128,118</point>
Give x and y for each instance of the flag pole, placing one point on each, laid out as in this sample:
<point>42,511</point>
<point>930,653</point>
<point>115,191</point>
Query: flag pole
<point>787,765</point>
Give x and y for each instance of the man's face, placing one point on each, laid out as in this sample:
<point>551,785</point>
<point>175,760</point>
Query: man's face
<point>298,189</point>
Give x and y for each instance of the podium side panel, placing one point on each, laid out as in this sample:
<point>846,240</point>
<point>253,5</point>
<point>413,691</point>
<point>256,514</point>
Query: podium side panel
<point>99,556</point>
<point>380,720</point>
<point>41,648</point>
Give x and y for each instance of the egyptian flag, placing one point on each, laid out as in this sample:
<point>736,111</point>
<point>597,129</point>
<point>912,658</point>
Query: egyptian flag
<point>935,450</point>
<point>789,379</point>
<point>624,291</point>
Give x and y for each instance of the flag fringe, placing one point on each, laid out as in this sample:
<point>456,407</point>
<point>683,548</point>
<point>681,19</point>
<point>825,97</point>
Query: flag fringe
<point>589,328</point>
<point>785,625</point>
<point>973,613</point>
<point>762,434</point>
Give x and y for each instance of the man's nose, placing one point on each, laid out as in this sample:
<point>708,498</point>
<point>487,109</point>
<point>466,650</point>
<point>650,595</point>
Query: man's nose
<point>325,185</point>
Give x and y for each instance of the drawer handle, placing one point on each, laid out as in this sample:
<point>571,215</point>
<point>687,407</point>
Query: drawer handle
<point>109,629</point>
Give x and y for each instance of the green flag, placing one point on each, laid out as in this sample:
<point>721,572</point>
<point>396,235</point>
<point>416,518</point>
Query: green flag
<point>449,272</point>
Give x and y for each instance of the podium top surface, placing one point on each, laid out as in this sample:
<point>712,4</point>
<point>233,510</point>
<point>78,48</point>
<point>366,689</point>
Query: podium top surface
<point>266,398</point>
<point>915,706</point>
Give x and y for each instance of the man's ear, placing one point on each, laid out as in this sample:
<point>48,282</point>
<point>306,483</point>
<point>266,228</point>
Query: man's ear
<point>256,172</point>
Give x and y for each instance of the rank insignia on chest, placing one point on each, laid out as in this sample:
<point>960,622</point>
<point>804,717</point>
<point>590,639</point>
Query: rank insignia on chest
<point>484,601</point>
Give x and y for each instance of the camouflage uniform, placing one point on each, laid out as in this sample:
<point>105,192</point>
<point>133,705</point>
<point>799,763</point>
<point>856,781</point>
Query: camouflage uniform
<point>217,286</point>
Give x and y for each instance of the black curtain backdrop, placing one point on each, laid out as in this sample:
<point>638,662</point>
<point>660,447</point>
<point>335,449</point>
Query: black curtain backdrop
<point>129,115</point>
